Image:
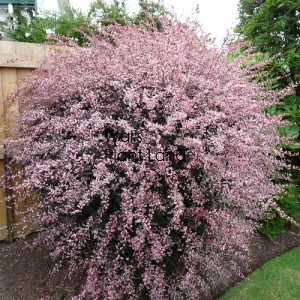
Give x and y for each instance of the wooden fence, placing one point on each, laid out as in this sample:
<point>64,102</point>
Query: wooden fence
<point>16,61</point>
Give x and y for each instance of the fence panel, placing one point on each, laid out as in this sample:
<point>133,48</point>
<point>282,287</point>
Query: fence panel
<point>17,60</point>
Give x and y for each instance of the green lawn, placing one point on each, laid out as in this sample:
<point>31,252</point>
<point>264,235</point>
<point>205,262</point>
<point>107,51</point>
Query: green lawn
<point>276,279</point>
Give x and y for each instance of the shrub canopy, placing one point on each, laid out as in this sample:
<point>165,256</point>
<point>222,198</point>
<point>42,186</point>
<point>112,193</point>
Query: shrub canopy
<point>152,158</point>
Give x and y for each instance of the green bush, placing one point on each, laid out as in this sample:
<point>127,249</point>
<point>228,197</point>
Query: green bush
<point>272,27</point>
<point>72,22</point>
<point>35,29</point>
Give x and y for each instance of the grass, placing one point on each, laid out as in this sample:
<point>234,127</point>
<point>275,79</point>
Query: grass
<point>276,279</point>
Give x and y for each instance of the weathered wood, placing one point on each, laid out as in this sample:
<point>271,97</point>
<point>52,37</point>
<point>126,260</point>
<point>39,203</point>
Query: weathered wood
<point>11,109</point>
<point>23,55</point>
<point>3,212</point>
<point>9,211</point>
<point>2,131</point>
<point>17,60</point>
<point>9,61</point>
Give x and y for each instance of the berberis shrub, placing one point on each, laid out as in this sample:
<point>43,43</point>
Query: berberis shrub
<point>152,158</point>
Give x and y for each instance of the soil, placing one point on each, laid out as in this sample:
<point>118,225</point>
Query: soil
<point>25,275</point>
<point>262,250</point>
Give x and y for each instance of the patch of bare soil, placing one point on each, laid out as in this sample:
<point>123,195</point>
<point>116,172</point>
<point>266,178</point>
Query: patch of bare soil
<point>25,275</point>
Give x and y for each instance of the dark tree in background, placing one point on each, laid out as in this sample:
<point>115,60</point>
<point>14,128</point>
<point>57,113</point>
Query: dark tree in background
<point>273,27</point>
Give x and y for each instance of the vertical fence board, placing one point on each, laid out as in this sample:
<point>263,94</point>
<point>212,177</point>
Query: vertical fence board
<point>21,73</point>
<point>3,215</point>
<point>2,131</point>
<point>11,110</point>
<point>9,85</point>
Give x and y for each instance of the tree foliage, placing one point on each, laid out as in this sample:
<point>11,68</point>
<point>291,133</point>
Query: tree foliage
<point>151,159</point>
<point>114,12</point>
<point>22,28</point>
<point>246,8</point>
<point>273,27</point>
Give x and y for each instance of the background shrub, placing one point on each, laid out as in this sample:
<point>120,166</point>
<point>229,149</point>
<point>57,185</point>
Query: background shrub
<point>23,28</point>
<point>140,228</point>
<point>272,27</point>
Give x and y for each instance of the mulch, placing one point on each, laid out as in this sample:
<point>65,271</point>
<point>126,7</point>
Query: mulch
<point>262,250</point>
<point>26,275</point>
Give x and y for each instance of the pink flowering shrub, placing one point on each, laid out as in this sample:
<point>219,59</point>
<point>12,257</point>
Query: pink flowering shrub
<point>152,159</point>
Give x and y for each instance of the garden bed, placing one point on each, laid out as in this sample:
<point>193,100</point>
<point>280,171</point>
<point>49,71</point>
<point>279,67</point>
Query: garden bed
<point>26,275</point>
